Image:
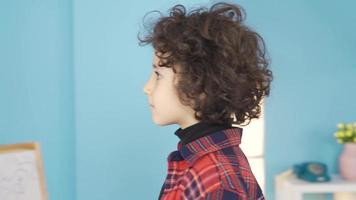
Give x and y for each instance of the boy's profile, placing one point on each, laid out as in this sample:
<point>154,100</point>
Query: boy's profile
<point>209,72</point>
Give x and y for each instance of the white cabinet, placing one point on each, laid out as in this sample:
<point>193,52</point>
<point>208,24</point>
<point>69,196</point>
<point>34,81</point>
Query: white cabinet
<point>289,187</point>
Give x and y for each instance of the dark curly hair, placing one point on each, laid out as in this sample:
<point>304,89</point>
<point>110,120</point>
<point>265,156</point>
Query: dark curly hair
<point>222,63</point>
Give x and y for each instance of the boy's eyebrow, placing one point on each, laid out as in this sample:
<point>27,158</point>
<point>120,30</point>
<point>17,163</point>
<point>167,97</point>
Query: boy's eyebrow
<point>154,66</point>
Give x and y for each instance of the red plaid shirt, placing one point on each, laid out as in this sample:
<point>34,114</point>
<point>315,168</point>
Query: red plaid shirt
<point>212,167</point>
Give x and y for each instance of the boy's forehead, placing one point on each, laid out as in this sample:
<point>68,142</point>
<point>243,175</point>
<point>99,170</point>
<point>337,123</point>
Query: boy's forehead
<point>155,59</point>
<point>155,65</point>
<point>155,62</point>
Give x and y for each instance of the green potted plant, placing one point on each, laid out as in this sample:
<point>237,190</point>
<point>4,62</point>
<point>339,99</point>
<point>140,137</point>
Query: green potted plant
<point>346,135</point>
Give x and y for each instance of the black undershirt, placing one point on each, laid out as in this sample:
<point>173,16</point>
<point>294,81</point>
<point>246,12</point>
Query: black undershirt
<point>198,130</point>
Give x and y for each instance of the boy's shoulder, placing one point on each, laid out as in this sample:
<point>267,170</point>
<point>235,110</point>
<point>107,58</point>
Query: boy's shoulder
<point>217,165</point>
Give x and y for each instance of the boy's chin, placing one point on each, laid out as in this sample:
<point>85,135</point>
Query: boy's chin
<point>162,123</point>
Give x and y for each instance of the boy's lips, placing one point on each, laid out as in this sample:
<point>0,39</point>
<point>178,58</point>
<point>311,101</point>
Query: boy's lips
<point>151,104</point>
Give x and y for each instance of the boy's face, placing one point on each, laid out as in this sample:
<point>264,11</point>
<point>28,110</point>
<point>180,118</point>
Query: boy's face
<point>164,102</point>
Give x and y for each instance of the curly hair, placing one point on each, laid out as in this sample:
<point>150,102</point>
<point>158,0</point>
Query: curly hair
<point>217,57</point>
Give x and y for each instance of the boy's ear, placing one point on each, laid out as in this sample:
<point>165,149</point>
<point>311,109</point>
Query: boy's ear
<point>202,97</point>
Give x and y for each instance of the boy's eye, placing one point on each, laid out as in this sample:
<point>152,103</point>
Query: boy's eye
<point>157,74</point>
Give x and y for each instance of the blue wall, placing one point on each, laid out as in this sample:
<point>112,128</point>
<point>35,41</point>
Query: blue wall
<point>79,90</point>
<point>36,86</point>
<point>121,154</point>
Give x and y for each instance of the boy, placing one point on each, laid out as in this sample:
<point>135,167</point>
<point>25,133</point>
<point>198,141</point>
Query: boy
<point>209,73</point>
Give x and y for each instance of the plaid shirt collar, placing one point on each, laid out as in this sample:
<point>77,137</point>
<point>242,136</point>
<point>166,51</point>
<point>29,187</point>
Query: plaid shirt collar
<point>196,149</point>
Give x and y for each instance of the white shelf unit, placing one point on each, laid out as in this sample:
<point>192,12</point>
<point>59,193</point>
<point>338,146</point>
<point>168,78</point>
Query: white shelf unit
<point>289,187</point>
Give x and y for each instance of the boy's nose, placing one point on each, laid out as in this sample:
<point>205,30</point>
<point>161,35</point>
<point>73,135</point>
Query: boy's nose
<point>146,89</point>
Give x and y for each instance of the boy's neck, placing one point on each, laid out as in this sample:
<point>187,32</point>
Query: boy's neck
<point>187,123</point>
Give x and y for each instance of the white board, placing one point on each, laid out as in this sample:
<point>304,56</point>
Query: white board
<point>21,172</point>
